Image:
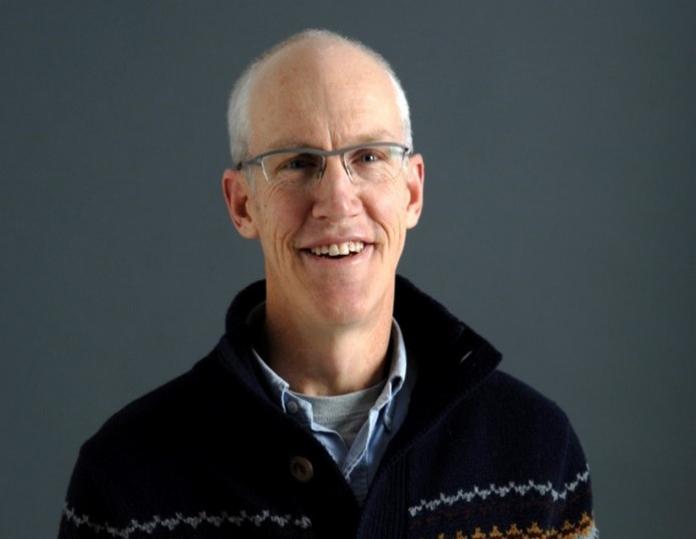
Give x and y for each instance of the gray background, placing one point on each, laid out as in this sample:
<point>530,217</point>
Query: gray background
<point>559,218</point>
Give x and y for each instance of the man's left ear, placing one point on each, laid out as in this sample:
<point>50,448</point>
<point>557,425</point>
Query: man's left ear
<point>415,178</point>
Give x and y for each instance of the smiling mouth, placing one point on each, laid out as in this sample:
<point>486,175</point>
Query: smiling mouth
<point>338,250</point>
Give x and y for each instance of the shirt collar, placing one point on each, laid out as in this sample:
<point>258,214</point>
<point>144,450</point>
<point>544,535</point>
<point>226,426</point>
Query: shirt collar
<point>397,374</point>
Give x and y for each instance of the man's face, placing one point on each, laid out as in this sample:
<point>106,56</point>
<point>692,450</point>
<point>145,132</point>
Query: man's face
<point>326,100</point>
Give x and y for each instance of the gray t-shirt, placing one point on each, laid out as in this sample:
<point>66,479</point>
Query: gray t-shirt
<point>344,414</point>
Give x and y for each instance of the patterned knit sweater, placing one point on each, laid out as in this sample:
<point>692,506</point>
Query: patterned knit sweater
<point>479,456</point>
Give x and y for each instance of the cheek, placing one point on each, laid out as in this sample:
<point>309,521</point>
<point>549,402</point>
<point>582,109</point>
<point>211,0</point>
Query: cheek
<point>280,214</point>
<point>390,206</point>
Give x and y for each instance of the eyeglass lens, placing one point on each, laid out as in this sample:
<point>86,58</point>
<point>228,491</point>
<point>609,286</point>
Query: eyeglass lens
<point>367,163</point>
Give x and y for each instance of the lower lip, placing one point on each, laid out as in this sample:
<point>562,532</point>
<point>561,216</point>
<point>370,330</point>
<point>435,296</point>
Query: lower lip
<point>339,260</point>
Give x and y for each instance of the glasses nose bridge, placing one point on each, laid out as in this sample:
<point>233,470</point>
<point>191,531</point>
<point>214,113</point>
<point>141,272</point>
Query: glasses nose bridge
<point>341,155</point>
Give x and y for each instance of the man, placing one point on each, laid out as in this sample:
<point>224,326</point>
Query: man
<point>341,401</point>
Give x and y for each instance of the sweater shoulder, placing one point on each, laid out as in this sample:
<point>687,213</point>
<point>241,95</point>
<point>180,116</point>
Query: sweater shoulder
<point>156,418</point>
<point>522,422</point>
<point>522,400</point>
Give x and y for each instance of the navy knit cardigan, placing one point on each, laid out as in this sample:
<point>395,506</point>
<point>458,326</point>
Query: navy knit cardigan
<point>479,456</point>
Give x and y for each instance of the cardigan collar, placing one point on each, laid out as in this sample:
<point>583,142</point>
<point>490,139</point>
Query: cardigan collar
<point>442,346</point>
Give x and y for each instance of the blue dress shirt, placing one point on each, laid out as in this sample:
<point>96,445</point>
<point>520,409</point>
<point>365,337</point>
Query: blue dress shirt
<point>360,461</point>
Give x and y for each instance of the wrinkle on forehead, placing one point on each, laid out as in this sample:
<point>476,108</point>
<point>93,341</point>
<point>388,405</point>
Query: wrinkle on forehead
<point>322,95</point>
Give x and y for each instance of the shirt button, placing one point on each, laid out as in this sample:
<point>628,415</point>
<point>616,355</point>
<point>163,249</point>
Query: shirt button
<point>301,469</point>
<point>292,407</point>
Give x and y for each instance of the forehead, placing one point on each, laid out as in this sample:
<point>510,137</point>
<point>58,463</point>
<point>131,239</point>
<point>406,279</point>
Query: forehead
<point>322,96</point>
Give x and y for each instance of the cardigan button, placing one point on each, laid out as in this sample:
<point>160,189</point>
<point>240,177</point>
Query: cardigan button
<point>301,469</point>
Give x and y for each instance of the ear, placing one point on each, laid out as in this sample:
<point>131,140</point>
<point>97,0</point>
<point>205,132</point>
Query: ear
<point>237,193</point>
<point>415,178</point>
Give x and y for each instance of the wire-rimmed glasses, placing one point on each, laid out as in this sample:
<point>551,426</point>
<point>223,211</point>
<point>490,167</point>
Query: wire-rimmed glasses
<point>371,162</point>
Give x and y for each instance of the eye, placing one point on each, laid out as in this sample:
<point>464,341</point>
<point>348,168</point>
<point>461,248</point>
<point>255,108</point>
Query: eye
<point>364,156</point>
<point>299,162</point>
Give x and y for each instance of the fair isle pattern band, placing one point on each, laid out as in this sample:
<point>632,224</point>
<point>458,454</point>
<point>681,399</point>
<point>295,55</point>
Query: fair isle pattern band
<point>592,533</point>
<point>583,529</point>
<point>178,520</point>
<point>544,489</point>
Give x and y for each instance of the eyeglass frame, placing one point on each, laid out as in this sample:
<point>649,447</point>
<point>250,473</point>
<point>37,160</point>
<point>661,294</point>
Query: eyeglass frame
<point>258,159</point>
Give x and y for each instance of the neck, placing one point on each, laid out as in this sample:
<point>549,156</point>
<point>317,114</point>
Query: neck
<point>323,358</point>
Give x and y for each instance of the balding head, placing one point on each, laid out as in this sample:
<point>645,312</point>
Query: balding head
<point>310,56</point>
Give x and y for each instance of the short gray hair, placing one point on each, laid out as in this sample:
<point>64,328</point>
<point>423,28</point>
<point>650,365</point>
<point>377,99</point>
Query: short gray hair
<point>238,123</point>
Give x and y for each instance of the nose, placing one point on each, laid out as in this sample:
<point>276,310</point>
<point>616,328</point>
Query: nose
<point>335,194</point>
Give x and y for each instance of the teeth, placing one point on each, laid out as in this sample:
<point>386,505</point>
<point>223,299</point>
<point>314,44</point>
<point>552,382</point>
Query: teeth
<point>336,249</point>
